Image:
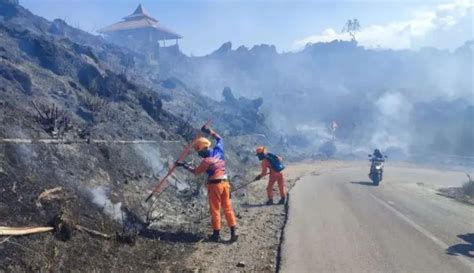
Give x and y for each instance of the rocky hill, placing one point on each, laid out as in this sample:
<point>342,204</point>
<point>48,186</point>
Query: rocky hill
<point>86,129</point>
<point>361,89</point>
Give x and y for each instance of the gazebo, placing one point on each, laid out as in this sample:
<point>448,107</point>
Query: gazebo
<point>139,31</point>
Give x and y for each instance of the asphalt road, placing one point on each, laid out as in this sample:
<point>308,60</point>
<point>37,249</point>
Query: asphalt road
<point>339,222</point>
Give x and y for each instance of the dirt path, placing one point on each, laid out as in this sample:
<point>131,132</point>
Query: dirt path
<point>260,229</point>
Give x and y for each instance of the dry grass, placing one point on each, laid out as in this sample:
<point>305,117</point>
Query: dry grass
<point>468,187</point>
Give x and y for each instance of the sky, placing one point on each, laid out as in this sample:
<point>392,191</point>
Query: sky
<point>289,25</point>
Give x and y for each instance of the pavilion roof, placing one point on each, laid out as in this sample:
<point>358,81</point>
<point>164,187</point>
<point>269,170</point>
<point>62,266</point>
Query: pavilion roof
<point>140,19</point>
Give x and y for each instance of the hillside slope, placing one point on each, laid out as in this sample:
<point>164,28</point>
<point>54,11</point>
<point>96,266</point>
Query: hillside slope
<point>361,89</point>
<point>75,115</point>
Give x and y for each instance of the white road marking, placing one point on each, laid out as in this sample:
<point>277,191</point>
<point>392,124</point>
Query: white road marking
<point>422,230</point>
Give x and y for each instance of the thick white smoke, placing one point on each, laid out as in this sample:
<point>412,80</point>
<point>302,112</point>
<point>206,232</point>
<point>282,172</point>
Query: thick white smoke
<point>100,198</point>
<point>391,118</point>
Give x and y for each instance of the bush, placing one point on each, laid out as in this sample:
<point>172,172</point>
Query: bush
<point>468,187</point>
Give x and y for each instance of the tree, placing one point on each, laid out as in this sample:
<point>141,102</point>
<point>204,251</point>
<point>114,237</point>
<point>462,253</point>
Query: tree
<point>351,27</point>
<point>228,95</point>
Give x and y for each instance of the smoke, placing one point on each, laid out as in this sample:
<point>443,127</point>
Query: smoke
<point>24,152</point>
<point>393,111</point>
<point>151,156</point>
<point>405,101</point>
<point>99,197</point>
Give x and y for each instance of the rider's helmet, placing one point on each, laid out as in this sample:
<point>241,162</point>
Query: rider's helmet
<point>377,153</point>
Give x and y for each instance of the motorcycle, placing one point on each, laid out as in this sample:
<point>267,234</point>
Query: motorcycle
<point>376,169</point>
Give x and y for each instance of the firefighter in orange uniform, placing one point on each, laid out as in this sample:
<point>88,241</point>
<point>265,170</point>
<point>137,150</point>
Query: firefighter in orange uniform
<point>274,164</point>
<point>218,186</point>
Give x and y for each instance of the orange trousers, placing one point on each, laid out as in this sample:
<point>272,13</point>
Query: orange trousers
<point>276,177</point>
<point>219,195</point>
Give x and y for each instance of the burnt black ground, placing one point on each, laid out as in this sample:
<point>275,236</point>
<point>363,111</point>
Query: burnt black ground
<point>54,65</point>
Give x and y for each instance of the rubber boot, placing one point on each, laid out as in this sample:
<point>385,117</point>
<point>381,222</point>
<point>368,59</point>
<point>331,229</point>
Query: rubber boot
<point>233,235</point>
<point>269,202</point>
<point>215,237</point>
<point>282,201</point>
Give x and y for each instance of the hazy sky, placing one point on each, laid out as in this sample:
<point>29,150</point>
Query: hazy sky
<point>288,25</point>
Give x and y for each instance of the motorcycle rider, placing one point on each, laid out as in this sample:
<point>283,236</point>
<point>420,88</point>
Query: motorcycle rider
<point>376,156</point>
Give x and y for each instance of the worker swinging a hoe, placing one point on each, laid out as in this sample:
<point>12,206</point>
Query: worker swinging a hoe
<point>274,163</point>
<point>218,186</point>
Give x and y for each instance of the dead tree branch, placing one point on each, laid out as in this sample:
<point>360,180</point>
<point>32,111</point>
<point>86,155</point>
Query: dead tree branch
<point>54,121</point>
<point>6,239</point>
<point>185,129</point>
<point>93,232</point>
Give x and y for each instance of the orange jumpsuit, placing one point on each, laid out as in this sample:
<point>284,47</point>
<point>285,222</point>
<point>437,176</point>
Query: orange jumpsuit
<point>218,193</point>
<point>273,177</point>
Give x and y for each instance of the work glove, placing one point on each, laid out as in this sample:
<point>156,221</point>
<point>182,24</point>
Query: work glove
<point>206,130</point>
<point>257,178</point>
<point>180,164</point>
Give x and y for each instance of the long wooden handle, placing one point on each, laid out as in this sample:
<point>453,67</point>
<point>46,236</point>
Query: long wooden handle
<point>160,184</point>
<point>245,185</point>
<point>17,231</point>
<point>181,157</point>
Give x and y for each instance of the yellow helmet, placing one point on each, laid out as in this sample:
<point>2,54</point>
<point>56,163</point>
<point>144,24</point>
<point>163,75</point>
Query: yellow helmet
<point>201,144</point>
<point>261,150</point>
